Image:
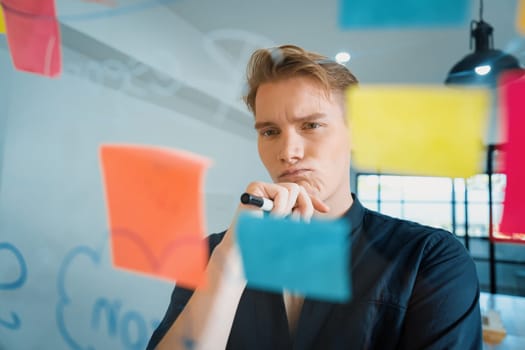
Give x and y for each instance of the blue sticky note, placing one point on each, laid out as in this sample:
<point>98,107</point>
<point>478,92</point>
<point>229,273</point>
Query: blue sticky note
<point>312,259</point>
<point>355,14</point>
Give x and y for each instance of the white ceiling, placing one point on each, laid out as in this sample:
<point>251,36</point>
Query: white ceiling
<point>393,56</point>
<point>204,45</point>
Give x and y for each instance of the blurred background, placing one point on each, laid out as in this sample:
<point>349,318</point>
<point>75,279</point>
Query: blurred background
<point>171,73</point>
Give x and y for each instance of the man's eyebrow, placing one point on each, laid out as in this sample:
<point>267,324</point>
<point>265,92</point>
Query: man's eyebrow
<point>260,125</point>
<point>307,118</point>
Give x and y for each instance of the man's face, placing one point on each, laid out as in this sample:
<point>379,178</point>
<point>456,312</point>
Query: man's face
<point>302,136</point>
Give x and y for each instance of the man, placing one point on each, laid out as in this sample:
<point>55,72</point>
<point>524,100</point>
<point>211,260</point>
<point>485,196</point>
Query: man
<point>413,287</point>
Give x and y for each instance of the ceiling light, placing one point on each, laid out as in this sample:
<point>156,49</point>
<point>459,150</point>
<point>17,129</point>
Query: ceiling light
<point>342,57</point>
<point>483,70</point>
<point>485,64</point>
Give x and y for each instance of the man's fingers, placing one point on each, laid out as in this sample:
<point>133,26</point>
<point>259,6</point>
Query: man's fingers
<point>304,204</point>
<point>293,193</point>
<point>296,215</point>
<point>319,205</point>
<point>313,193</point>
<point>280,196</point>
<point>287,198</point>
<point>283,196</point>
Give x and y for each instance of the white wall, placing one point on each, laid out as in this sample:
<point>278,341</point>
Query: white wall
<point>58,289</point>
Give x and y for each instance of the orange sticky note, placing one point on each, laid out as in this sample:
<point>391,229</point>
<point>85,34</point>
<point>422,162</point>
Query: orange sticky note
<point>2,21</point>
<point>512,109</point>
<point>156,215</point>
<point>520,17</point>
<point>33,36</point>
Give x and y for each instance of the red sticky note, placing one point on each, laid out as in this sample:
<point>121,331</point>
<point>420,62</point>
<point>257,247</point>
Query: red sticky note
<point>33,36</point>
<point>156,215</point>
<point>512,110</point>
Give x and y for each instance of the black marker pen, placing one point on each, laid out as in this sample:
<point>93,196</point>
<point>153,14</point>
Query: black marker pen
<point>261,202</point>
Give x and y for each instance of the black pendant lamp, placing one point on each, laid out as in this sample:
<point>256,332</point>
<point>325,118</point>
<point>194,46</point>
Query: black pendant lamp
<point>485,64</point>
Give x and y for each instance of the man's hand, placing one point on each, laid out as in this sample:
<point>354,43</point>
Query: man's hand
<point>288,199</point>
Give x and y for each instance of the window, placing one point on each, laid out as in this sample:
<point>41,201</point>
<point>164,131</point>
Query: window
<point>456,205</point>
<point>423,199</point>
<point>459,206</point>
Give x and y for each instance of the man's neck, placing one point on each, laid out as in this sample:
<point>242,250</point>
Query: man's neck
<point>339,203</point>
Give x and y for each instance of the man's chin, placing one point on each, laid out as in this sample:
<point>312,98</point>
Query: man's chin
<point>312,190</point>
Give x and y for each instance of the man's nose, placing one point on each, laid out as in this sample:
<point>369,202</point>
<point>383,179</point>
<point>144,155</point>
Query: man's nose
<point>291,148</point>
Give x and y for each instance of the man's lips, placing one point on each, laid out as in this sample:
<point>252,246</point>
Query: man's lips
<point>291,173</point>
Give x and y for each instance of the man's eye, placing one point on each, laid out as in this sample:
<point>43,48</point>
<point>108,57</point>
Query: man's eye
<point>312,125</point>
<point>268,132</point>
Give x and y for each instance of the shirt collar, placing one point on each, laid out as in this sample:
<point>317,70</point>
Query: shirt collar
<point>355,213</point>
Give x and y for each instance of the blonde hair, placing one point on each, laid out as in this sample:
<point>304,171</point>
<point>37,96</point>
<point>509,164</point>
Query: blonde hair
<point>287,61</point>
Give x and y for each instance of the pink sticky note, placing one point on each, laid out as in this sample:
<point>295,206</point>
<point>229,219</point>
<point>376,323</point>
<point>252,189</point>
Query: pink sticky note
<point>512,111</point>
<point>33,36</point>
<point>155,207</point>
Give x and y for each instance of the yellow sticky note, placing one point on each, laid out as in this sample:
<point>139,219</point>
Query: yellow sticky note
<point>2,21</point>
<point>520,17</point>
<point>418,130</point>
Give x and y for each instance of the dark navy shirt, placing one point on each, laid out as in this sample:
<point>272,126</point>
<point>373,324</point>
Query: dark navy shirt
<point>413,287</point>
